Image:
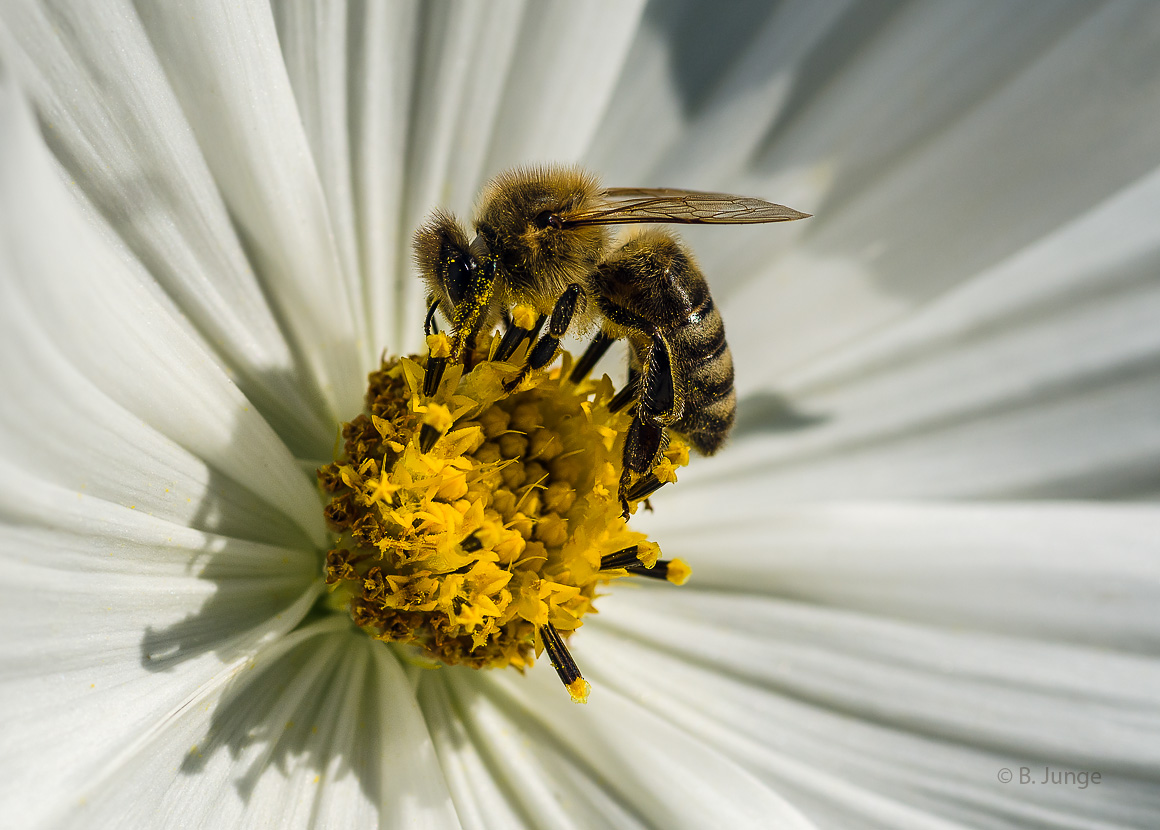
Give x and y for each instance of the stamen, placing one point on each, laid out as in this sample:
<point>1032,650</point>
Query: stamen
<point>621,559</point>
<point>429,325</point>
<point>435,424</point>
<point>469,520</point>
<point>439,347</point>
<point>591,356</point>
<point>675,571</point>
<point>524,324</point>
<point>644,488</point>
<point>564,665</point>
<point>623,398</point>
<point>512,338</point>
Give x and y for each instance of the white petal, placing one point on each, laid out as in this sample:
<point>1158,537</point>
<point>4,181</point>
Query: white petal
<point>1080,573</point>
<point>307,734</point>
<point>226,70</point>
<point>1035,378</point>
<point>113,122</point>
<point>466,57</point>
<point>480,797</point>
<point>461,68</point>
<point>313,39</point>
<point>568,59</point>
<point>700,87</point>
<point>860,722</point>
<point>108,391</point>
<point>105,637</point>
<point>609,763</point>
<point>384,42</point>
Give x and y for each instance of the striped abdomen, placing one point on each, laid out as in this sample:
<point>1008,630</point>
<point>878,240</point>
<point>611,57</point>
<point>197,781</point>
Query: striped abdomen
<point>703,366</point>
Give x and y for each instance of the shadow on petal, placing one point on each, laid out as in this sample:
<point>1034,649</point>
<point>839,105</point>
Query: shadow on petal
<point>695,63</point>
<point>761,412</point>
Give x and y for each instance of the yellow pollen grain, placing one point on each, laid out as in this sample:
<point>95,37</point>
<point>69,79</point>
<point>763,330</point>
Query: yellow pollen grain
<point>438,345</point>
<point>578,689</point>
<point>524,317</point>
<point>679,572</point>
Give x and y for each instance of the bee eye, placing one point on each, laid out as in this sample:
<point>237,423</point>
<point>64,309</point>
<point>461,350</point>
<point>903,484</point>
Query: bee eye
<point>457,277</point>
<point>547,218</point>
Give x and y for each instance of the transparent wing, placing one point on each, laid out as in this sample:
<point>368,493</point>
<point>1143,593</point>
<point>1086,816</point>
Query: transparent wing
<point>631,205</point>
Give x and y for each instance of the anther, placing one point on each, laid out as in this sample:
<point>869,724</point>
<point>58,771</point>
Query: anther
<point>644,488</point>
<point>512,338</point>
<point>433,375</point>
<point>471,543</point>
<point>623,558</point>
<point>672,570</point>
<point>428,436</point>
<point>439,350</point>
<point>524,324</point>
<point>623,398</point>
<point>436,422</point>
<point>564,665</point>
<point>591,356</point>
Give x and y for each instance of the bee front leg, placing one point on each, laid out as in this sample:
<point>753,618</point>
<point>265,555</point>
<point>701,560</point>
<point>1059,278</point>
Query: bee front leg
<point>544,352</point>
<point>429,326</point>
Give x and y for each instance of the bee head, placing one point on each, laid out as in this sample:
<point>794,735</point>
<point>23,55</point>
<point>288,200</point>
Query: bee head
<point>523,220</point>
<point>458,276</point>
<point>444,258</point>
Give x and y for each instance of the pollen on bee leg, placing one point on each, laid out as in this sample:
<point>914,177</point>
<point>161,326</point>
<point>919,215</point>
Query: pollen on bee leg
<point>472,525</point>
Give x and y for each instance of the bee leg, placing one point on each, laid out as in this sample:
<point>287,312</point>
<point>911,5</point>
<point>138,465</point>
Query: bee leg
<point>657,403</point>
<point>429,326</point>
<point>591,356</point>
<point>643,445</point>
<point>544,352</point>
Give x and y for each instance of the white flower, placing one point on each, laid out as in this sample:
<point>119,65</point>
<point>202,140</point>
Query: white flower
<point>930,554</point>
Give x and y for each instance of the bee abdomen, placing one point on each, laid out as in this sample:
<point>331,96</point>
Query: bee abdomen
<point>710,402</point>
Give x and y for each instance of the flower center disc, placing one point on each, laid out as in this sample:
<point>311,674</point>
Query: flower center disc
<point>477,524</point>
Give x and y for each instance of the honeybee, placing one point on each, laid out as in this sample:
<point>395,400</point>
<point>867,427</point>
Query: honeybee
<point>543,240</point>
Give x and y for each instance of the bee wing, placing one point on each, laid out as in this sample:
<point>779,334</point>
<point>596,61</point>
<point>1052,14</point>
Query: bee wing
<point>633,205</point>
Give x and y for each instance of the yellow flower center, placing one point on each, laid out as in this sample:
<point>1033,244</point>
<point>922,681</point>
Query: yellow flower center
<point>476,524</point>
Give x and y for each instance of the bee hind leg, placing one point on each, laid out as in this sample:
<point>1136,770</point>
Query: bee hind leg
<point>658,403</point>
<point>643,445</point>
